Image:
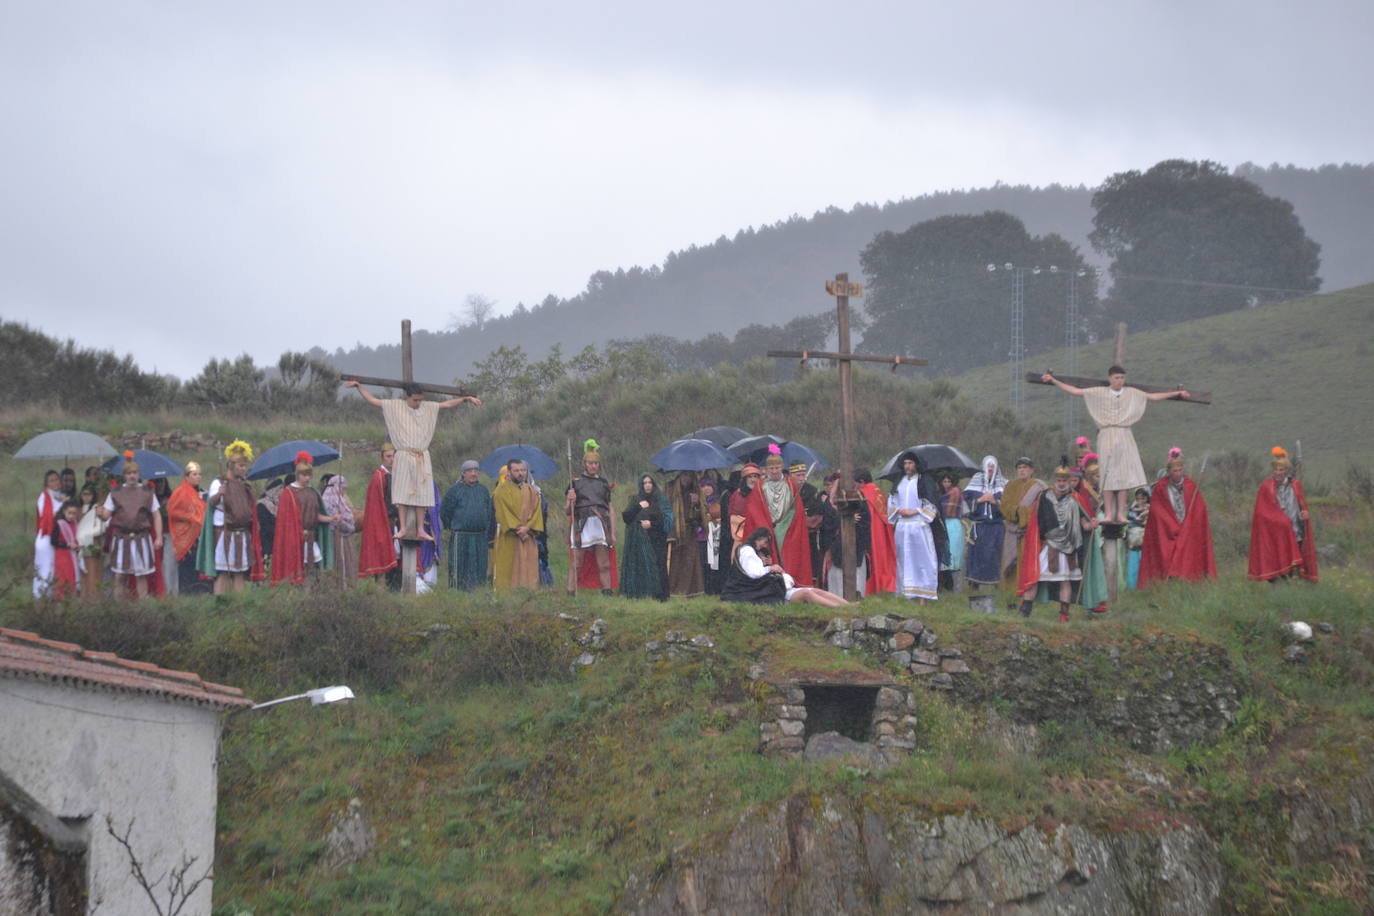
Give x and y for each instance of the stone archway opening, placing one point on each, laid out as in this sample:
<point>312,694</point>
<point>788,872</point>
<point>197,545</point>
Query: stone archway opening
<point>844,708</point>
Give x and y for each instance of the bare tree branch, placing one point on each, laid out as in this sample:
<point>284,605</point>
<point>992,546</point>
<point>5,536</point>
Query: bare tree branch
<point>179,892</point>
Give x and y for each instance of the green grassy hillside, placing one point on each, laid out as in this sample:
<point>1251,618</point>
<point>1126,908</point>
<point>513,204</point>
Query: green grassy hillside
<point>498,780</point>
<point>1277,373</point>
<point>501,780</point>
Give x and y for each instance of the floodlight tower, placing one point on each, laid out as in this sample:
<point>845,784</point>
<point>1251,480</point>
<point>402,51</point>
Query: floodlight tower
<point>1073,326</point>
<point>1016,353</point>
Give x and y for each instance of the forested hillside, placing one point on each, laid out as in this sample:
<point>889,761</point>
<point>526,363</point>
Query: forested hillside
<point>772,274</point>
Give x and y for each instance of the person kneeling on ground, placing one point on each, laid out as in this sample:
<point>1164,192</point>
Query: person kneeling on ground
<point>754,578</point>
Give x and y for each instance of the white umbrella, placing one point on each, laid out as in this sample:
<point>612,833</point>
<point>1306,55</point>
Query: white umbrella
<point>63,444</point>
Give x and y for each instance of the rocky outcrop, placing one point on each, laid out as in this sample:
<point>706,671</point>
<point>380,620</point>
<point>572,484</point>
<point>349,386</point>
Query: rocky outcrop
<point>351,838</point>
<point>1155,693</point>
<point>835,855</point>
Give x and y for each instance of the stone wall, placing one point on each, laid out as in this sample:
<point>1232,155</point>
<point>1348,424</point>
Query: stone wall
<point>904,642</point>
<point>1156,692</point>
<point>42,860</point>
<point>835,855</point>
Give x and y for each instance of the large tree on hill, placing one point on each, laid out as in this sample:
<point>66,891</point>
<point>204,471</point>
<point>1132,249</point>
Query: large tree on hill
<point>930,293</point>
<point>1188,239</point>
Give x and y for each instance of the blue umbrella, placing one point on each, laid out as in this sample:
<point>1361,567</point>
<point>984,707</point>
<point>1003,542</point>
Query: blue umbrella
<point>792,452</point>
<point>281,459</point>
<point>692,455</point>
<point>541,465</point>
<point>151,465</point>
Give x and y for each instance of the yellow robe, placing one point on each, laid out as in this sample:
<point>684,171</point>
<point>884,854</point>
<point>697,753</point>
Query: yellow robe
<point>515,563</point>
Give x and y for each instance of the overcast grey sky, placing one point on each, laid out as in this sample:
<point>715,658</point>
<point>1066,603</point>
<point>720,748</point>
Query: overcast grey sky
<point>188,180</point>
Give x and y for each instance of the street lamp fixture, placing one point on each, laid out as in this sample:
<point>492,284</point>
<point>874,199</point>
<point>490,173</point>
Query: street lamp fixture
<point>320,696</point>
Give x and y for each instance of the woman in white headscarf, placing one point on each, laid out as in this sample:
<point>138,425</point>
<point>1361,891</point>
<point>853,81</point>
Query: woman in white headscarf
<point>982,507</point>
<point>337,504</point>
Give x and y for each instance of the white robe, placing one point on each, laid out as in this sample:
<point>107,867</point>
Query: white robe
<point>918,568</point>
<point>42,544</point>
<point>411,430</point>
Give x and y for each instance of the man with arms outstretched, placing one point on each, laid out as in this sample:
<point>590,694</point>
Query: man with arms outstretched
<point>1115,409</point>
<point>410,427</point>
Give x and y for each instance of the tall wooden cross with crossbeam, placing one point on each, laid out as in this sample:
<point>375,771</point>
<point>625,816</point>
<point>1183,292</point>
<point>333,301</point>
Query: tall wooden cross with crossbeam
<point>410,542</point>
<point>849,499</point>
<point>1119,358</point>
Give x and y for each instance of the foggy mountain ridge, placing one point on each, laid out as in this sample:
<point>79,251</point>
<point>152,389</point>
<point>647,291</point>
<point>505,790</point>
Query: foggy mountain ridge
<point>774,273</point>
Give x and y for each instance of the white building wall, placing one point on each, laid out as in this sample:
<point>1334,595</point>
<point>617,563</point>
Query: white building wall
<point>87,752</point>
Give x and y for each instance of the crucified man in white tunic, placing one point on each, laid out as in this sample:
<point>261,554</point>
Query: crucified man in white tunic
<point>1115,409</point>
<point>410,425</point>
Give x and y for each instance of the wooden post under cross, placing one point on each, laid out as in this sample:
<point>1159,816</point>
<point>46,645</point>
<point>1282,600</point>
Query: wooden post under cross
<point>410,542</point>
<point>849,499</point>
<point>1112,533</point>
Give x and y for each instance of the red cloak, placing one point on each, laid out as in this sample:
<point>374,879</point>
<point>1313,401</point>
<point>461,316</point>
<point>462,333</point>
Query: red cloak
<point>1173,549</point>
<point>1274,549</point>
<point>795,555</point>
<point>288,553</point>
<point>882,556</point>
<point>377,553</point>
<point>42,522</point>
<point>589,576</point>
<point>1028,569</point>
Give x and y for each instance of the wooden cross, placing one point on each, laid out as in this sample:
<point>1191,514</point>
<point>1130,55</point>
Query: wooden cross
<point>409,542</point>
<point>1112,533</point>
<point>1119,358</point>
<point>407,372</point>
<point>849,498</point>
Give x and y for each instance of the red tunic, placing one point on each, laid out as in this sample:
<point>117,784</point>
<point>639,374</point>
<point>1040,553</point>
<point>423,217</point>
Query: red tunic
<point>882,555</point>
<point>1174,549</point>
<point>377,554</point>
<point>65,561</point>
<point>795,555</point>
<point>1274,548</point>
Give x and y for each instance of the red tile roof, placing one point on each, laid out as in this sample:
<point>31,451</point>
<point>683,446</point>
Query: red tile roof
<point>28,655</point>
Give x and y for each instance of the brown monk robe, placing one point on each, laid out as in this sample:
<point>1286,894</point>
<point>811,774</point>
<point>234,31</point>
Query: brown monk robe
<point>685,576</point>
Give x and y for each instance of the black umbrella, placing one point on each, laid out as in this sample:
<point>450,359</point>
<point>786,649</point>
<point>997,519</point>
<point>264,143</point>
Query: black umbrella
<point>755,448</point>
<point>745,449</point>
<point>720,435</point>
<point>933,457</point>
